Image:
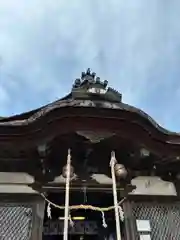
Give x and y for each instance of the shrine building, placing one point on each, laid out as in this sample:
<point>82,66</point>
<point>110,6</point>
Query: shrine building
<point>88,166</point>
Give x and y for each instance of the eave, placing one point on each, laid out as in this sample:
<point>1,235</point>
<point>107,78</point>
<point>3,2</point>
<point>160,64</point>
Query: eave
<point>72,115</point>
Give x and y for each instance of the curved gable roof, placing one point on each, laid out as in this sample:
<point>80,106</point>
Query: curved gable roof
<point>90,93</point>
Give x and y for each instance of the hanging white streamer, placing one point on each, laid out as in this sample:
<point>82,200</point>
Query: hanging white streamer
<point>121,213</point>
<point>49,211</point>
<point>71,221</point>
<point>104,220</point>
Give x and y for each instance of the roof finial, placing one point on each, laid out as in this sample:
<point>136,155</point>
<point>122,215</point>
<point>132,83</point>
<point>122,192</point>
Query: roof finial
<point>88,72</point>
<point>88,75</point>
<point>89,85</point>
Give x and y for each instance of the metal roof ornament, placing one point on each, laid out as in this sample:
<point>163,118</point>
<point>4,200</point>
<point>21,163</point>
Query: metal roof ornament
<point>88,77</point>
<point>90,86</point>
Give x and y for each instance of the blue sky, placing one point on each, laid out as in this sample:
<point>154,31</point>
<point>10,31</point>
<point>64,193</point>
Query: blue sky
<point>135,45</point>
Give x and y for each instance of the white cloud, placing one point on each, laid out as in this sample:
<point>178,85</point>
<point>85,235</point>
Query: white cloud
<point>45,44</point>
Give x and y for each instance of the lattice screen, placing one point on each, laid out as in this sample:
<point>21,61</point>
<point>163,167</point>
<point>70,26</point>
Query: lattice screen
<point>15,222</point>
<point>164,219</point>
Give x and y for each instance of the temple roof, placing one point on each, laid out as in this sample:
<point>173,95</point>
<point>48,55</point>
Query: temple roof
<point>88,87</point>
<point>92,98</point>
<point>87,91</point>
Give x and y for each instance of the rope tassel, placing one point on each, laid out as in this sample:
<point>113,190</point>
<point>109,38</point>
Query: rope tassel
<point>66,210</point>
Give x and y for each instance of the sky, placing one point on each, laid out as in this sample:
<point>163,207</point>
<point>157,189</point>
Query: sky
<point>135,45</point>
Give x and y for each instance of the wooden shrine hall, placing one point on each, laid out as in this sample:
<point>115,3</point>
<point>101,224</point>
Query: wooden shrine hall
<point>88,166</point>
